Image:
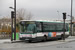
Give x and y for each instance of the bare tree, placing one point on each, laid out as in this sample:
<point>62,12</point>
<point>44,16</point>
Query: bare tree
<point>22,14</point>
<point>28,16</point>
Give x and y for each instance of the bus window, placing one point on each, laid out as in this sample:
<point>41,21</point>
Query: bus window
<point>59,27</point>
<point>22,25</point>
<point>49,27</point>
<point>67,27</point>
<point>39,27</point>
<point>32,27</point>
<point>28,27</point>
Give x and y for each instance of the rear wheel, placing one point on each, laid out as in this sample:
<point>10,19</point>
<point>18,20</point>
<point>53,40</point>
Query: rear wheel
<point>61,36</point>
<point>44,39</point>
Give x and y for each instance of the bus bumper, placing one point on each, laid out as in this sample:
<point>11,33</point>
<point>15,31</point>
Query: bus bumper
<point>27,38</point>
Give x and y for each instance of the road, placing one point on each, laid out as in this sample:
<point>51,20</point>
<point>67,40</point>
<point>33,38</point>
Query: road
<point>48,45</point>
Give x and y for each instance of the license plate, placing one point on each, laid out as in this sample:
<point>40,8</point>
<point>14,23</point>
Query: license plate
<point>26,39</point>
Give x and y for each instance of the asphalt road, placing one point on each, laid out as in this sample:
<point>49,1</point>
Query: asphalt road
<point>48,45</point>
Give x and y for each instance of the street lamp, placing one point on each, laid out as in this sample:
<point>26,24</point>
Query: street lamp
<point>70,16</point>
<point>11,7</point>
<point>14,19</point>
<point>58,14</point>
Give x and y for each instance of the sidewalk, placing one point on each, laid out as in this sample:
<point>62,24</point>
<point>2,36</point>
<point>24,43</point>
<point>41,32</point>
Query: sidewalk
<point>69,39</point>
<point>4,40</point>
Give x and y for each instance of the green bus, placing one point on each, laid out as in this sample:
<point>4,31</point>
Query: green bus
<point>41,30</point>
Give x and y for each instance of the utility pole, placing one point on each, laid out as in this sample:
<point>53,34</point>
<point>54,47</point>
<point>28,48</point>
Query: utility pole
<point>13,16</point>
<point>71,19</point>
<point>64,17</point>
<point>15,20</point>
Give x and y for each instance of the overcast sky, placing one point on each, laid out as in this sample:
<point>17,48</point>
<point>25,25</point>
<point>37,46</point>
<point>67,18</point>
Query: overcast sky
<point>41,9</point>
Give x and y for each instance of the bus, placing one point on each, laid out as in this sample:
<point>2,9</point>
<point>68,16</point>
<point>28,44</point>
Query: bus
<point>42,30</point>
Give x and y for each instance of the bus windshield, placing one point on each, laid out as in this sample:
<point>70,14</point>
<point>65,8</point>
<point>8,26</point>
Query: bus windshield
<point>27,26</point>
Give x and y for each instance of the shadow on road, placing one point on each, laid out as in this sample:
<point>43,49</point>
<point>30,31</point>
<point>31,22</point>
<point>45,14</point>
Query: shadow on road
<point>42,41</point>
<point>51,40</point>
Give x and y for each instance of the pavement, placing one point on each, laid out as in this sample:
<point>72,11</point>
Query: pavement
<point>69,43</point>
<point>4,40</point>
<point>6,43</point>
<point>69,39</point>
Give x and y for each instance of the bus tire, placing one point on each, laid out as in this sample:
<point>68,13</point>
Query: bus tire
<point>62,36</point>
<point>29,41</point>
<point>44,38</point>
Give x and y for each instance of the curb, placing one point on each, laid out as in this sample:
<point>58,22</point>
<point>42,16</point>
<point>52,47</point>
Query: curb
<point>69,39</point>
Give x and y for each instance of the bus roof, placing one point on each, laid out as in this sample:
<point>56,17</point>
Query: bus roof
<point>51,21</point>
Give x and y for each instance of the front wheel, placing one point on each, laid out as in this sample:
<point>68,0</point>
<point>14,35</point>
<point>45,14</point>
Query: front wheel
<point>29,41</point>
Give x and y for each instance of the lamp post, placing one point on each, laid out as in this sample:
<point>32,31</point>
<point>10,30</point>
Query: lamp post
<point>58,15</point>
<point>71,18</point>
<point>14,19</point>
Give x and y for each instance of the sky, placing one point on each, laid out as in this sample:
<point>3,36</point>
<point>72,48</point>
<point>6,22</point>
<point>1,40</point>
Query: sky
<point>40,9</point>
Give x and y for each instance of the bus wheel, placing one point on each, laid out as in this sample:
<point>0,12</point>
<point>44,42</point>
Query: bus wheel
<point>62,36</point>
<point>44,39</point>
<point>29,41</point>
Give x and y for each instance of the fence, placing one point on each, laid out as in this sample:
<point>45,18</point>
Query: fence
<point>4,35</point>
